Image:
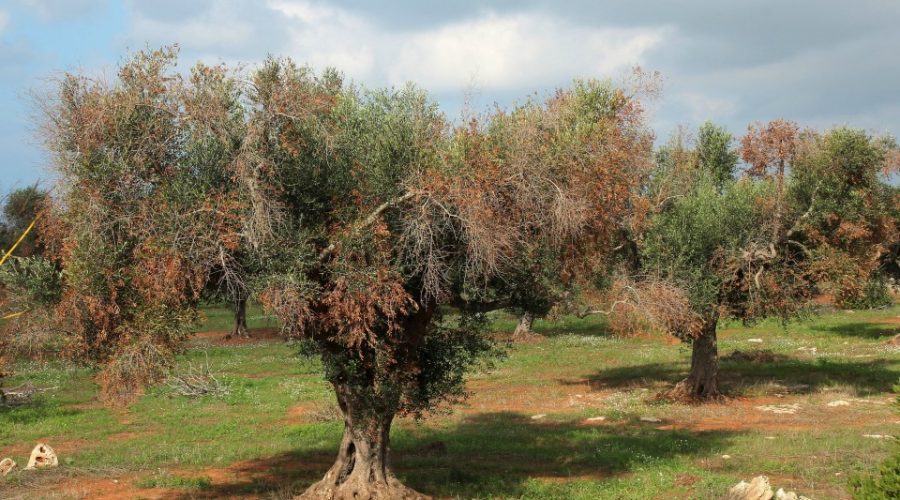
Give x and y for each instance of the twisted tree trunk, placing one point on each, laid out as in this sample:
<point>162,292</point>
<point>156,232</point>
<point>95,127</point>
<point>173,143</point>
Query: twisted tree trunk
<point>523,329</point>
<point>240,329</point>
<point>362,469</point>
<point>702,382</point>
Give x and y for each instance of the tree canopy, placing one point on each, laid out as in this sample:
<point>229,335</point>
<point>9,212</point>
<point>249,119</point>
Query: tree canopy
<point>352,214</point>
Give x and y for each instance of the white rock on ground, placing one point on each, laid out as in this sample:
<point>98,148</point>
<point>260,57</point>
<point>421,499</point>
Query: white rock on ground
<point>538,416</point>
<point>785,495</point>
<point>652,420</point>
<point>42,456</point>
<point>780,409</point>
<point>757,489</point>
<point>878,436</point>
<point>839,402</point>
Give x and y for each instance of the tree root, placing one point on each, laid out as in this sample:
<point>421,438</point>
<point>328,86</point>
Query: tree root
<point>686,392</point>
<point>357,488</point>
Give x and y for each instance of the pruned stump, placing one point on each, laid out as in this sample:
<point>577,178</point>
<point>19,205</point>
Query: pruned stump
<point>42,456</point>
<point>6,466</point>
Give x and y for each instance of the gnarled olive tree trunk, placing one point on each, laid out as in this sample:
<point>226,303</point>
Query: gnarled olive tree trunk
<point>362,469</point>
<point>703,380</point>
<point>368,403</point>
<point>240,329</point>
<point>523,329</point>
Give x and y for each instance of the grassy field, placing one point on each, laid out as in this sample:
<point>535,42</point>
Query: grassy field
<point>528,431</point>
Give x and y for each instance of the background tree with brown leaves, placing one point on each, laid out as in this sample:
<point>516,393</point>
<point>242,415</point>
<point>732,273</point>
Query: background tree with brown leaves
<point>710,244</point>
<point>139,214</point>
<point>812,214</point>
<point>851,229</point>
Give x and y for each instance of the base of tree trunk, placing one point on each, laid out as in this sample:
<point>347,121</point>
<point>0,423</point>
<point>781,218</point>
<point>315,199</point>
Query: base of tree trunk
<point>689,391</point>
<point>240,329</point>
<point>362,469</point>
<point>241,332</point>
<point>523,331</point>
<point>702,383</point>
<point>361,489</point>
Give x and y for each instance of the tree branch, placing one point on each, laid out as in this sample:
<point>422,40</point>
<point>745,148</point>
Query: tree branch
<point>796,226</point>
<point>479,307</point>
<point>612,309</point>
<point>368,221</point>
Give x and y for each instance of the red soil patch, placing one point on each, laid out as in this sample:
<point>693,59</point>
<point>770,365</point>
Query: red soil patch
<point>743,415</point>
<point>299,411</point>
<point>257,336</point>
<point>655,337</point>
<point>109,488</point>
<point>129,435</point>
<point>235,481</point>
<point>726,333</point>
<point>62,447</point>
<point>553,397</point>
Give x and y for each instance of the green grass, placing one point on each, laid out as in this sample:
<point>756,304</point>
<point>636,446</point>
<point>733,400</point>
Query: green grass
<point>218,318</point>
<point>272,433</point>
<point>168,481</point>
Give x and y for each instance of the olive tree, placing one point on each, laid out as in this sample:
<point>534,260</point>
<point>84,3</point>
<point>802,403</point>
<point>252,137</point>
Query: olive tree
<point>851,229</point>
<point>711,247</point>
<point>140,213</point>
<point>362,212</point>
<point>372,212</point>
<point>810,211</point>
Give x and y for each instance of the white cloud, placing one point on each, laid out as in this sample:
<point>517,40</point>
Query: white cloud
<point>704,107</point>
<point>517,51</point>
<point>219,30</point>
<point>513,51</point>
<point>4,20</point>
<point>324,36</point>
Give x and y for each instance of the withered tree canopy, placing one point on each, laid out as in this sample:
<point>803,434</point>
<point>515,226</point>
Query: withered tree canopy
<point>143,209</point>
<point>363,212</point>
<point>374,212</point>
<point>813,214</point>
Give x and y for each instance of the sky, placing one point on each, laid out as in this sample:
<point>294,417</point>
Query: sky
<point>821,63</point>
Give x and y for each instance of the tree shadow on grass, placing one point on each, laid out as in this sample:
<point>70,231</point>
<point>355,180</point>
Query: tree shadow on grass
<point>587,327</point>
<point>485,455</point>
<point>33,412</point>
<point>865,330</point>
<point>737,378</point>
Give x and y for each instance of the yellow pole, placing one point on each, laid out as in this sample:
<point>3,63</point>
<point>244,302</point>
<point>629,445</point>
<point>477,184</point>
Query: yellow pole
<point>13,315</point>
<point>6,256</point>
<point>24,234</point>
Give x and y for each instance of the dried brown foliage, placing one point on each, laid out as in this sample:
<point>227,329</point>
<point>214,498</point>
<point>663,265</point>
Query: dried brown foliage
<point>769,148</point>
<point>141,213</point>
<point>649,305</point>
